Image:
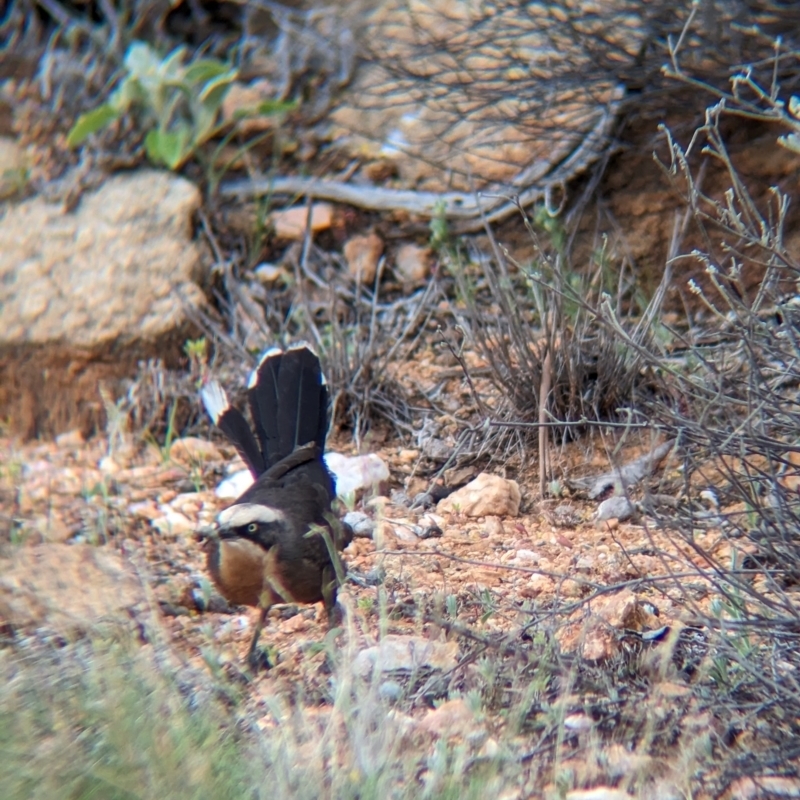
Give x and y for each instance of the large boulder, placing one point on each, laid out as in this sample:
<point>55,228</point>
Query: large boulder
<point>84,295</point>
<point>463,96</point>
<point>70,589</point>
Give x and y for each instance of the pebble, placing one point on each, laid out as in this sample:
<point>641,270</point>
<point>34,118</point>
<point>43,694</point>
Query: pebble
<point>362,254</point>
<point>72,438</point>
<point>390,691</point>
<point>362,524</point>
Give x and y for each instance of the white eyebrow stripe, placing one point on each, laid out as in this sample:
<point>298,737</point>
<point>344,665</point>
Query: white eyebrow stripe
<point>215,400</point>
<point>242,514</point>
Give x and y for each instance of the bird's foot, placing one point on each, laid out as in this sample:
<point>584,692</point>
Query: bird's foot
<point>258,660</point>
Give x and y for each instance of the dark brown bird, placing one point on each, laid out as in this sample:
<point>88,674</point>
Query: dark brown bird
<point>270,545</point>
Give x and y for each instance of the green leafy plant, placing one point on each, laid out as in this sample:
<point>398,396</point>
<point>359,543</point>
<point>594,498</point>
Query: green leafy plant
<point>441,239</point>
<point>196,351</point>
<point>179,102</point>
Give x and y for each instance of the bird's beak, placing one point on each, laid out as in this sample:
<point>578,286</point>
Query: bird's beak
<point>206,534</point>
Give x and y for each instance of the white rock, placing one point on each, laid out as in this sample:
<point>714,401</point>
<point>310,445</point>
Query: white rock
<point>173,523</point>
<point>356,472</point>
<point>268,273</point>
<point>598,793</point>
<point>108,465</point>
<point>405,653</point>
<point>616,507</point>
<point>486,495</point>
<point>234,485</point>
<point>361,523</point>
<point>72,438</point>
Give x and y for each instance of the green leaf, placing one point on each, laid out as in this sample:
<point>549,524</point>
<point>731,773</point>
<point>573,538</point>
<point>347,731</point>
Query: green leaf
<point>204,118</point>
<point>171,68</point>
<point>168,147</point>
<point>266,108</point>
<point>206,69</point>
<point>91,122</point>
<point>215,89</point>
<point>270,107</point>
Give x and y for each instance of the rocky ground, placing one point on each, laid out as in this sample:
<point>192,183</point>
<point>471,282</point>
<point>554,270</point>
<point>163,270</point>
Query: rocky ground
<point>512,635</point>
<point>112,533</point>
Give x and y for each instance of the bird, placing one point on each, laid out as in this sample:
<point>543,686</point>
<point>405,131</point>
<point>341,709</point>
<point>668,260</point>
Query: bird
<point>279,541</point>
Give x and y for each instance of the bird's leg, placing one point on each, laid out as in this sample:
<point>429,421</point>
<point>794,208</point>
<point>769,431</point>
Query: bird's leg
<point>253,660</point>
<point>330,584</point>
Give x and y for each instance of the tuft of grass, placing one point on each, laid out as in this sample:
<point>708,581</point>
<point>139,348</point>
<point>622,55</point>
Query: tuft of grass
<point>97,720</point>
<point>179,103</point>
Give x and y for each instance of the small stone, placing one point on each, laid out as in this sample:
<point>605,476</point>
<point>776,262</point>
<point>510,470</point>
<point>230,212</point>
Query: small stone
<point>406,654</point>
<point>291,223</point>
<point>486,495</point>
<point>452,718</point>
<point>108,466</point>
<point>404,533</point>
<point>494,527</point>
<point>192,450</point>
<point>598,793</point>
<point>268,273</point>
<point>621,610</point>
<point>407,456</point>
<point>362,254</point>
<point>390,691</point>
<point>144,509</point>
<point>526,557</point>
<point>412,263</point>
<point>72,438</point>
<point>578,722</point>
<point>490,749</point>
<point>616,507</point>
<point>172,523</point>
<point>362,525</point>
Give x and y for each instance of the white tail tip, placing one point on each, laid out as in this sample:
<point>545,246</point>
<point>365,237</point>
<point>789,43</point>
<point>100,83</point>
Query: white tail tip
<point>215,400</point>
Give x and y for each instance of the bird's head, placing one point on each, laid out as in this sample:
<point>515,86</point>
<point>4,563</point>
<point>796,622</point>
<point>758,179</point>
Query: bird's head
<point>250,521</point>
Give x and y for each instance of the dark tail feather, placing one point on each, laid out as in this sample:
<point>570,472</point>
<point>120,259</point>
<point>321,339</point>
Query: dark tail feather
<point>231,422</point>
<point>302,399</point>
<point>288,400</point>
<point>262,396</point>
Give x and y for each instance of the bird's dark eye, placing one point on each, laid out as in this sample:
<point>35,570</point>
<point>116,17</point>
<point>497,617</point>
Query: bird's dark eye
<point>252,527</point>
